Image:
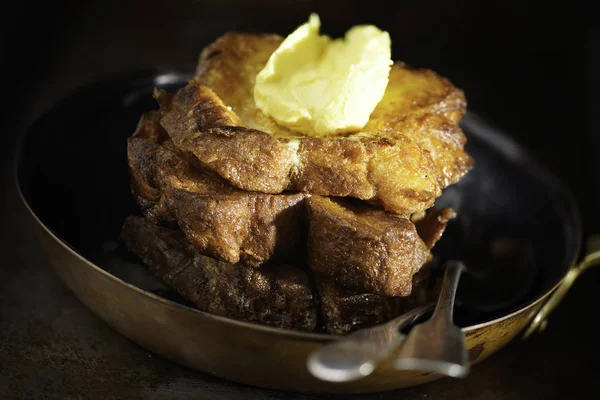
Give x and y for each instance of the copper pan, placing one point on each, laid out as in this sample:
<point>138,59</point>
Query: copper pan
<point>72,176</point>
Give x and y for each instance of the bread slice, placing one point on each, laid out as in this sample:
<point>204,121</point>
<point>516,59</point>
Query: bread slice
<point>222,221</point>
<point>277,295</point>
<point>410,149</point>
<point>363,249</point>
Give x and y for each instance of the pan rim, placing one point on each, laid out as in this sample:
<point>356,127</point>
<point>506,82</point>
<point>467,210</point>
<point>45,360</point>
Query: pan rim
<point>497,136</point>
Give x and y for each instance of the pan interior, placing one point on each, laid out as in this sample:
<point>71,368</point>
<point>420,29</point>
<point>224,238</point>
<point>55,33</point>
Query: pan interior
<point>73,172</point>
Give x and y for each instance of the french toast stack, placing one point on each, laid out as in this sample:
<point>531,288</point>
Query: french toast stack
<point>250,220</point>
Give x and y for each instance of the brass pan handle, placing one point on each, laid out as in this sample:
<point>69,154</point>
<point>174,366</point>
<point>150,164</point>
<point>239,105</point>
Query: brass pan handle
<point>591,259</point>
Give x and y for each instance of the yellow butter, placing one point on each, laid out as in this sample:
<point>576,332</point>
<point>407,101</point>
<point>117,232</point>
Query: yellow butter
<point>319,86</point>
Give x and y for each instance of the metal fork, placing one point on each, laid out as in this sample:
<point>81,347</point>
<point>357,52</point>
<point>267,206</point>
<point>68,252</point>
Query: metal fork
<point>358,354</point>
<point>438,345</point>
<point>435,346</point>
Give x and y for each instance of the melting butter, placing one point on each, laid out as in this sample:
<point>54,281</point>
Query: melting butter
<point>319,86</point>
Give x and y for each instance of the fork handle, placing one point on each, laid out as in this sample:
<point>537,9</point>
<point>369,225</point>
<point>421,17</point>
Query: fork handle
<point>444,309</point>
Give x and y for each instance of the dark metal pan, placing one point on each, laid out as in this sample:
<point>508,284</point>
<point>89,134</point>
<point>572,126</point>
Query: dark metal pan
<point>73,177</point>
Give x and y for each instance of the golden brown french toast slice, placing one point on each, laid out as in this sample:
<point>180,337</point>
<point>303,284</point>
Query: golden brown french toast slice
<point>411,100</point>
<point>410,149</point>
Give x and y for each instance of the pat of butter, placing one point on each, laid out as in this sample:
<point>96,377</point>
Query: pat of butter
<point>319,86</point>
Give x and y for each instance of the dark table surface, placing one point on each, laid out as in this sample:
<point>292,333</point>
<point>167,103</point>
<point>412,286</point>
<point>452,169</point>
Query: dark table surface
<point>51,346</point>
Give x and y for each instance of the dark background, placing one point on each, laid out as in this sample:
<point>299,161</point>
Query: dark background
<point>529,68</point>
